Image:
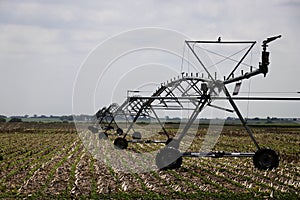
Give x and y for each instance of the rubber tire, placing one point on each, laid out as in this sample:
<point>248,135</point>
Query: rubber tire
<point>168,158</point>
<point>171,142</point>
<point>121,143</point>
<point>103,136</point>
<point>266,159</point>
<point>137,135</point>
<point>119,131</point>
<point>93,129</point>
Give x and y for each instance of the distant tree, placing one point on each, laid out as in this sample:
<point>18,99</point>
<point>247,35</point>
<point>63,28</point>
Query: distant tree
<point>66,118</point>
<point>15,119</point>
<point>2,120</point>
<point>269,120</point>
<point>3,116</point>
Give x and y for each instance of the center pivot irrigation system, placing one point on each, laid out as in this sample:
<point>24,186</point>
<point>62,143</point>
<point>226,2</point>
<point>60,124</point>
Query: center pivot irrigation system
<point>191,92</point>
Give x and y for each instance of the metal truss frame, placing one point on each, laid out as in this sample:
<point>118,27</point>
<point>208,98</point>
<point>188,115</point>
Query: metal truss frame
<point>192,92</point>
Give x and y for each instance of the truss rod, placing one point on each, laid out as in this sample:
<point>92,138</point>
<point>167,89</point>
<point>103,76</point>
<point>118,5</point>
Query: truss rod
<point>222,42</point>
<point>212,78</point>
<point>205,99</point>
<point>162,126</point>
<point>172,108</point>
<point>224,98</point>
<point>241,60</point>
<point>260,98</point>
<point>220,108</point>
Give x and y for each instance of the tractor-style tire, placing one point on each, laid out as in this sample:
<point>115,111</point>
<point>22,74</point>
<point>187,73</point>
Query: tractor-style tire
<point>103,136</point>
<point>93,129</point>
<point>171,142</point>
<point>265,159</point>
<point>121,143</point>
<point>119,131</point>
<point>137,135</point>
<point>168,158</point>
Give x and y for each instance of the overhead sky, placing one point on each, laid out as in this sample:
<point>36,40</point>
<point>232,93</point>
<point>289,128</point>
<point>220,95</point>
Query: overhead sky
<point>44,43</point>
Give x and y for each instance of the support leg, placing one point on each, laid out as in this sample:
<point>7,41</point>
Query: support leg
<point>163,128</point>
<point>203,101</point>
<point>234,106</point>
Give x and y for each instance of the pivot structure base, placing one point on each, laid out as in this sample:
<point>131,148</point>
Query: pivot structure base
<point>171,158</point>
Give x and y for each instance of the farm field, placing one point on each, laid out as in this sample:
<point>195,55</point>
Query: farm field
<point>49,161</point>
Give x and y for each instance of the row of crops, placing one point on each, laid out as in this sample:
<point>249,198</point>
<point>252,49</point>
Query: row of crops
<point>51,163</point>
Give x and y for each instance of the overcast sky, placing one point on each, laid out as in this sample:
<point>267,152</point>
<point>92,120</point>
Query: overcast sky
<point>44,43</point>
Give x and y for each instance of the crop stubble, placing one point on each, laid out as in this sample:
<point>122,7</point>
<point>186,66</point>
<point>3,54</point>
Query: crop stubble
<point>50,159</point>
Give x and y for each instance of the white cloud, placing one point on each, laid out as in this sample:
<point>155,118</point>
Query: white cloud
<point>47,40</point>
<point>17,39</point>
